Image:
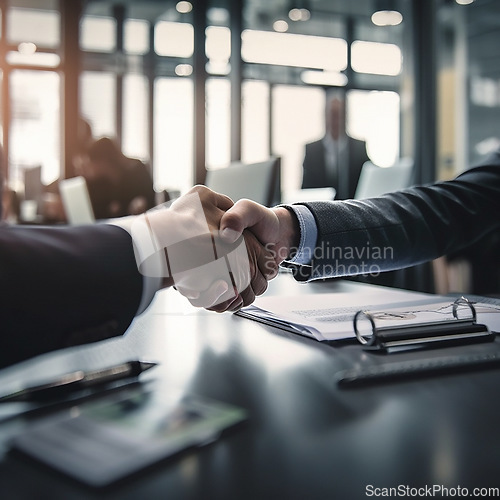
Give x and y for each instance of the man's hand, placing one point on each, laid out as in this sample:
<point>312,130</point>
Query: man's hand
<point>276,228</point>
<point>210,271</point>
<point>262,267</point>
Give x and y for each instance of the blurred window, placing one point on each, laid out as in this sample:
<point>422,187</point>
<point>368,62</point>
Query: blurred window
<point>135,117</point>
<point>174,39</point>
<point>255,121</point>
<point>23,25</point>
<point>376,58</point>
<point>218,49</point>
<point>35,127</point>
<point>173,134</point>
<point>218,139</point>
<point>298,118</point>
<point>286,49</point>
<point>136,36</point>
<point>373,116</point>
<point>98,101</point>
<point>33,59</point>
<point>98,34</point>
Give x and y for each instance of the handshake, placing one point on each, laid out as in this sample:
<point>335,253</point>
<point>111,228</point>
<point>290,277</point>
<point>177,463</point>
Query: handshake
<point>218,254</point>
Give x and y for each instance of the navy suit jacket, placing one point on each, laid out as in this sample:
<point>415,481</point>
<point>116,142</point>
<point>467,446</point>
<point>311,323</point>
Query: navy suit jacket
<point>64,286</point>
<point>405,228</point>
<point>315,172</point>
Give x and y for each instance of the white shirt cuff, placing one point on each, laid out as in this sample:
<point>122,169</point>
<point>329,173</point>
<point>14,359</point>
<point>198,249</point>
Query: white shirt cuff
<point>150,284</point>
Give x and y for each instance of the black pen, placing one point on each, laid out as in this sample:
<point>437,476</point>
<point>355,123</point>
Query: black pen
<point>78,380</point>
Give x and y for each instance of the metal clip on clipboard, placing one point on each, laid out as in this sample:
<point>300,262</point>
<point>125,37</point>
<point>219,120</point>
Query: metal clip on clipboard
<point>454,331</point>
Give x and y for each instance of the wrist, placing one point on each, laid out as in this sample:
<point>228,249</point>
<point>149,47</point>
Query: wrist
<point>289,233</point>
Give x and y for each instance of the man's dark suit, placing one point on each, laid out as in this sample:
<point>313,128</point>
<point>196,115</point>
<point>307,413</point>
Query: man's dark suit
<point>64,286</point>
<point>415,225</point>
<point>315,173</point>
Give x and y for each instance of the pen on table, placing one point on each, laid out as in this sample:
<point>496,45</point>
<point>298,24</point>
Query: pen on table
<point>78,380</point>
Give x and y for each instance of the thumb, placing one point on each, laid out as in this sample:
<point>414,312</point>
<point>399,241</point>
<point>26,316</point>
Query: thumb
<point>248,214</point>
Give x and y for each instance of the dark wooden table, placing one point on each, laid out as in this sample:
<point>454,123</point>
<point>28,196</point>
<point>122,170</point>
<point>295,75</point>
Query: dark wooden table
<point>305,438</point>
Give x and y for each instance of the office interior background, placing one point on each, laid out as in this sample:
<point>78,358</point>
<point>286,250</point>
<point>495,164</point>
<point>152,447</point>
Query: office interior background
<point>187,87</point>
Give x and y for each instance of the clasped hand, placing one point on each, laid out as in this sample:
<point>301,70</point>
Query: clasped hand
<point>184,245</point>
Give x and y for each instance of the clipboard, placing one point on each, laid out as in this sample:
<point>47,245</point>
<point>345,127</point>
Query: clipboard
<point>461,329</point>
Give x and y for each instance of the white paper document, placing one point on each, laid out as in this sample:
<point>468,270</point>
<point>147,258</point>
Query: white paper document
<point>329,316</point>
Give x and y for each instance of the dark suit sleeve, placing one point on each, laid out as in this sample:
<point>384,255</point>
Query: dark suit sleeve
<point>405,228</point>
<point>64,286</point>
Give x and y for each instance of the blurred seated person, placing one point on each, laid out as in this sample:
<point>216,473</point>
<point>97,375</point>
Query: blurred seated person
<point>52,208</point>
<point>2,196</point>
<point>9,204</point>
<point>84,139</point>
<point>118,185</point>
<point>9,201</point>
<point>336,159</point>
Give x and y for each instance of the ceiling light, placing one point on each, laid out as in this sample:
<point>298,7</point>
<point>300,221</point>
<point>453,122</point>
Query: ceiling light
<point>387,18</point>
<point>184,7</point>
<point>26,48</point>
<point>464,2</point>
<point>183,70</point>
<point>386,14</point>
<point>280,26</point>
<point>299,14</point>
<point>217,15</point>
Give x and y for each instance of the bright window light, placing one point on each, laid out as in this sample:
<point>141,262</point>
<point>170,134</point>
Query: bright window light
<point>218,43</point>
<point>287,49</point>
<point>136,36</point>
<point>174,39</point>
<point>298,117</point>
<point>135,116</point>
<point>376,58</point>
<point>35,102</point>
<point>98,101</point>
<point>173,132</point>
<point>37,26</point>
<point>218,49</point>
<point>255,121</point>
<point>98,34</point>
<point>218,122</point>
<point>218,68</point>
<point>35,59</point>
<point>373,116</point>
<point>333,78</point>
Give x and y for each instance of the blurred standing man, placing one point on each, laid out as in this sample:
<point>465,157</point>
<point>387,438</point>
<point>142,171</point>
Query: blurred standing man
<point>336,159</point>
